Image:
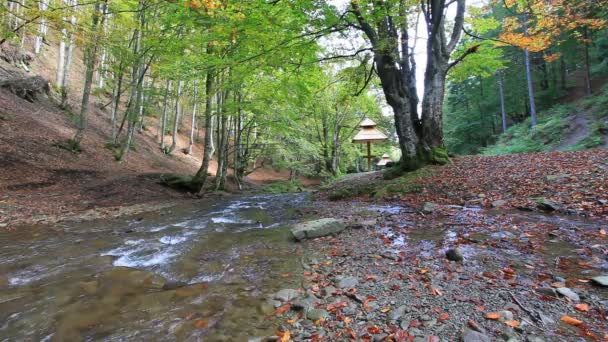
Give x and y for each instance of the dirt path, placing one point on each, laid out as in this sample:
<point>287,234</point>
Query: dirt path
<point>579,130</point>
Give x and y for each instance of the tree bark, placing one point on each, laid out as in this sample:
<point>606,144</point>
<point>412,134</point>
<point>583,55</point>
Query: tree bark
<point>90,56</point>
<point>588,89</point>
<point>193,118</point>
<point>503,114</point>
<point>201,175</point>
<point>68,61</point>
<point>529,77</point>
<point>176,117</point>
<point>163,122</point>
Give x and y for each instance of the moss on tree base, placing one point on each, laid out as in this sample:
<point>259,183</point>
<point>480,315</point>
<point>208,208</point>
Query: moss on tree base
<point>424,156</point>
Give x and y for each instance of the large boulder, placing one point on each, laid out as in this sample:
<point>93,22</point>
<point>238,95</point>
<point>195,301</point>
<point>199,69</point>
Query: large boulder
<point>317,228</point>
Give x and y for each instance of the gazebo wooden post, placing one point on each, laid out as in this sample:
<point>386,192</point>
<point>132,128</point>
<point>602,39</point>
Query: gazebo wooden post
<point>369,156</point>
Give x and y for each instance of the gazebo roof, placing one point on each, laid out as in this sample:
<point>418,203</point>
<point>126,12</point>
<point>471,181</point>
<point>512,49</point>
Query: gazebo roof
<point>369,134</point>
<point>367,123</point>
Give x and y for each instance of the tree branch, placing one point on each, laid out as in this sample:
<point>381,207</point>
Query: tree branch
<point>458,26</point>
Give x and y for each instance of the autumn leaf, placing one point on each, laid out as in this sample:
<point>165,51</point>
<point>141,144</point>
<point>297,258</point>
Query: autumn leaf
<point>444,316</point>
<point>385,310</point>
<point>283,336</point>
<point>201,323</point>
<point>570,320</point>
<point>374,330</point>
<point>513,323</point>
<point>493,315</point>
<point>282,309</point>
<point>582,307</point>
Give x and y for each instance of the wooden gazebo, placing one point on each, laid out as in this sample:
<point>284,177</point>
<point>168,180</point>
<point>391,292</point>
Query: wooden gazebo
<point>367,135</point>
<point>385,160</point>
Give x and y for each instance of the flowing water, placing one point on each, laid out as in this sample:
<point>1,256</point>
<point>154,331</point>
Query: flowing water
<point>201,271</point>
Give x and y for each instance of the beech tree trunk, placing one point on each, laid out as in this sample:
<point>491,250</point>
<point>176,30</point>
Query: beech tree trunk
<point>176,117</point>
<point>43,27</point>
<point>163,121</point>
<point>201,175</point>
<point>90,55</point>
<point>68,51</point>
<point>529,77</point>
<point>588,89</point>
<point>503,114</point>
<point>193,118</point>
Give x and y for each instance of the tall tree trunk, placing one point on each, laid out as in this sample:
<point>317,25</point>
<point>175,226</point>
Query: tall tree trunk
<point>116,101</point>
<point>176,117</point>
<point>202,173</point>
<point>68,53</point>
<point>90,55</point>
<point>193,118</point>
<point>101,69</point>
<point>137,76</point>
<point>239,162</point>
<point>163,122</point>
<point>43,27</point>
<point>503,114</point>
<point>588,88</point>
<point>529,77</point>
<point>222,146</point>
<point>563,72</point>
<point>140,100</point>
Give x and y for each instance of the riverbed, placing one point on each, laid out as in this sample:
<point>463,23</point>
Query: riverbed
<point>198,271</point>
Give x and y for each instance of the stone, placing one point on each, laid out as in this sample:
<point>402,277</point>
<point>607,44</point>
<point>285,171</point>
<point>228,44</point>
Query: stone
<point>127,277</point>
<point>286,295</point>
<point>498,203</point>
<point>89,287</point>
<point>327,291</point>
<point>600,280</point>
<point>317,228</point>
<point>506,315</point>
<point>317,314</point>
<point>473,336</point>
<point>428,207</point>
<point>532,338</point>
<point>566,292</point>
<point>546,319</point>
<point>547,291</point>
<point>174,284</point>
<point>397,313</point>
<point>546,205</point>
<point>304,304</point>
<point>454,254</point>
<point>363,224</point>
<point>348,282</point>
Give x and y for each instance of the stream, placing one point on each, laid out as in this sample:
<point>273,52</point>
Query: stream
<point>200,271</point>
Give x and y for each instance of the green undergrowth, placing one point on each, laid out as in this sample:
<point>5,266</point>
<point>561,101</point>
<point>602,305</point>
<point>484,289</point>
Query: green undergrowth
<point>407,183</point>
<point>282,187</point>
<point>553,126</point>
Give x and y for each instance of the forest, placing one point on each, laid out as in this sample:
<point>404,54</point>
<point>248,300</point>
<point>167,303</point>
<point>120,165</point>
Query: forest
<point>304,170</point>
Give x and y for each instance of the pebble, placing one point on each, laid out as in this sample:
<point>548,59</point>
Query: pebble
<point>600,280</point>
<point>348,282</point>
<point>566,292</point>
<point>286,294</point>
<point>454,254</point>
<point>474,336</point>
<point>316,314</point>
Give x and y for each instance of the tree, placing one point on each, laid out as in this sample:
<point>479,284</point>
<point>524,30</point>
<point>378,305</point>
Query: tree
<point>386,25</point>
